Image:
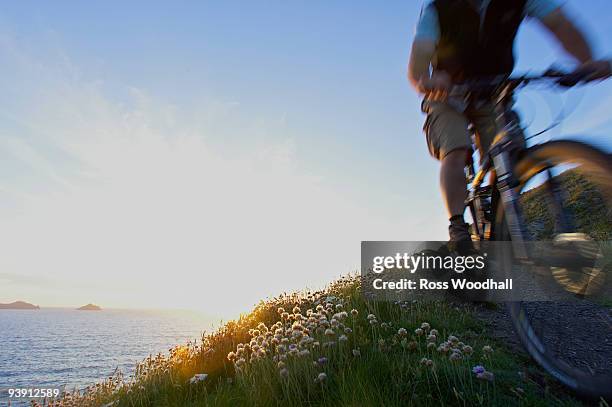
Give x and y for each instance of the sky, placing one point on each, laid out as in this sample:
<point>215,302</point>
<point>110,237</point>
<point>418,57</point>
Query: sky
<point>206,155</point>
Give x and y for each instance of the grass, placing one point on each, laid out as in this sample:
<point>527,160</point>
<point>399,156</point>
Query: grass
<point>332,348</point>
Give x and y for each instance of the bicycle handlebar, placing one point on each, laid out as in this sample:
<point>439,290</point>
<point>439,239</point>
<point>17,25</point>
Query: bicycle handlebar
<point>495,85</point>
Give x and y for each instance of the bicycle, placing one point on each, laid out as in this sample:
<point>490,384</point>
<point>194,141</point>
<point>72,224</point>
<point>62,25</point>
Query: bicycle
<point>502,210</point>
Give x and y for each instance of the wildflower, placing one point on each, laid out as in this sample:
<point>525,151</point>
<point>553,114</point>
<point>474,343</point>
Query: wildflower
<point>356,352</point>
<point>384,325</point>
<point>402,332</point>
<point>280,310</point>
<point>296,310</point>
<point>284,372</point>
<point>373,321</point>
<point>200,377</point>
<point>487,376</point>
<point>434,332</point>
<point>487,349</point>
<point>348,331</point>
<point>418,331</point>
<point>468,350</point>
<point>329,332</point>
<point>328,344</point>
<point>429,363</point>
<point>231,356</point>
<point>478,369</point>
<point>319,308</point>
<point>240,362</point>
<point>453,339</point>
<point>455,356</point>
<point>431,346</point>
<point>321,378</point>
<point>342,338</point>
<point>285,315</point>
<point>423,361</point>
<point>322,360</point>
<point>354,312</point>
<point>338,307</point>
<point>431,338</point>
<point>425,326</point>
<point>371,317</point>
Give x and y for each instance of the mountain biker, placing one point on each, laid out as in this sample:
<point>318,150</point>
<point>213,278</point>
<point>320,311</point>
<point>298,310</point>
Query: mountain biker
<point>464,39</point>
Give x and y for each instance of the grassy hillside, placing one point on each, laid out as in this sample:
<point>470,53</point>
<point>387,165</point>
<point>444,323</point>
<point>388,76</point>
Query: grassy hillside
<point>333,348</point>
<point>584,201</point>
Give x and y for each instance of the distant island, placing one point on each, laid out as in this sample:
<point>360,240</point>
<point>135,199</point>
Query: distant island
<point>90,307</point>
<point>19,305</point>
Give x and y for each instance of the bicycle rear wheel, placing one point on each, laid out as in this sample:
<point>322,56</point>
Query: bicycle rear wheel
<point>566,194</point>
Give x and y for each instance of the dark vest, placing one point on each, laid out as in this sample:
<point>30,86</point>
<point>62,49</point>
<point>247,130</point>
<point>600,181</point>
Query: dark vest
<point>466,49</point>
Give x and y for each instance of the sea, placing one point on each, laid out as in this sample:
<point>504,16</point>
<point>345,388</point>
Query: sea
<point>67,349</point>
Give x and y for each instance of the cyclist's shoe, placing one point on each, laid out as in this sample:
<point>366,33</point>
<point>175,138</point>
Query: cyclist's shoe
<point>460,237</point>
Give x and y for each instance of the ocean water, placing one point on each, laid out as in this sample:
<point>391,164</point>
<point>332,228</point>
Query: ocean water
<point>62,347</point>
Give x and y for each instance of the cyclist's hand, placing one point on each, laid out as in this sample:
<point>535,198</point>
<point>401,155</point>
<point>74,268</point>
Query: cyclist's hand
<point>437,87</point>
<point>595,70</point>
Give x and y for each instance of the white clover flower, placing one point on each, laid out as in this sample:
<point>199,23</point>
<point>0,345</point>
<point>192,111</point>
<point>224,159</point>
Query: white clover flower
<point>329,332</point>
<point>354,312</point>
<point>424,361</point>
<point>487,349</point>
<point>468,350</point>
<point>384,325</point>
<point>443,348</point>
<point>371,317</point>
<point>418,331</point>
<point>373,321</point>
<point>329,344</point>
<point>453,339</point>
<point>434,332</point>
<point>200,377</point>
<point>348,331</point>
<point>425,326</point>
<point>455,356</point>
<point>431,338</point>
<point>486,375</point>
<point>321,378</point>
<point>338,307</point>
<point>402,332</point>
<point>231,356</point>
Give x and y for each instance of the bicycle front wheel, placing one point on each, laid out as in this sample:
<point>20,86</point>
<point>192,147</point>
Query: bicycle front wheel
<point>566,195</point>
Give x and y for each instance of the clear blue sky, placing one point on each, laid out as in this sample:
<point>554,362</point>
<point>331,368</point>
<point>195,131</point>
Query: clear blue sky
<point>315,91</point>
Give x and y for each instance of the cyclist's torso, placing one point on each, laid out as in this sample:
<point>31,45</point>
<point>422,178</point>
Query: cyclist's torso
<point>477,37</point>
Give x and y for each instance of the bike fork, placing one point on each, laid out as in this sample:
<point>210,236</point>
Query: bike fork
<point>506,184</point>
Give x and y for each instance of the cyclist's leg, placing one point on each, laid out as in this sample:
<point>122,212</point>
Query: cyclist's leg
<point>483,118</point>
<point>449,142</point>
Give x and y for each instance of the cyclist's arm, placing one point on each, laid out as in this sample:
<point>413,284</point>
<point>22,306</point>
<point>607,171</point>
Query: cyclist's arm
<point>570,36</point>
<point>420,60</point>
<point>575,43</point>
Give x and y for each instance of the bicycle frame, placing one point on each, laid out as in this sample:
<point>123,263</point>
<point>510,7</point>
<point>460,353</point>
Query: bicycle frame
<point>500,158</point>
